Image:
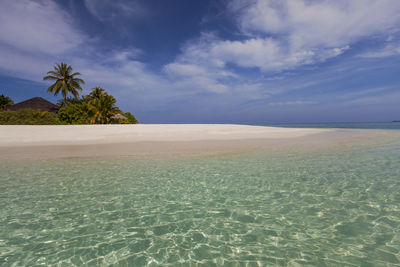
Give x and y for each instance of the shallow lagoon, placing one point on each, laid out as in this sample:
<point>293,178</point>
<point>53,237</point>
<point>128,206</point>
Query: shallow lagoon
<point>334,207</point>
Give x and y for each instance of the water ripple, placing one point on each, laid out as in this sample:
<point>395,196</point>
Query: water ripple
<point>330,208</point>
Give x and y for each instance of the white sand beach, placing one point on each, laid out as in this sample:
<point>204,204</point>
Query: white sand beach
<point>34,142</point>
<point>23,135</point>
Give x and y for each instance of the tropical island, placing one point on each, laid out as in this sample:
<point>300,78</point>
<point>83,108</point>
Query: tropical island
<point>98,107</point>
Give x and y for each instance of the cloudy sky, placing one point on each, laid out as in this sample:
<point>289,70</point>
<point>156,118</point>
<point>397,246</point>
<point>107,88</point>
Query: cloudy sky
<point>213,61</point>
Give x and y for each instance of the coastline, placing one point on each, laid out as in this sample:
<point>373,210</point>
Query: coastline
<point>149,140</point>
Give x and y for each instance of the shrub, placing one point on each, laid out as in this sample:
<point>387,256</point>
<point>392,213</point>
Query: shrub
<point>5,101</point>
<point>74,114</point>
<point>28,117</point>
<point>131,119</point>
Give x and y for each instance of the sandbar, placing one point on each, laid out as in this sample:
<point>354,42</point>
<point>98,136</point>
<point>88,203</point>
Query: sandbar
<point>146,140</point>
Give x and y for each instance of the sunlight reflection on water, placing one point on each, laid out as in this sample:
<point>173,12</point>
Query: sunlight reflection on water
<point>337,207</point>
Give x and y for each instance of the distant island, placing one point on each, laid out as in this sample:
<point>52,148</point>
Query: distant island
<point>395,121</point>
<point>98,107</point>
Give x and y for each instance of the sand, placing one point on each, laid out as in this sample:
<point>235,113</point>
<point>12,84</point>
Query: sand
<point>22,135</point>
<point>48,142</point>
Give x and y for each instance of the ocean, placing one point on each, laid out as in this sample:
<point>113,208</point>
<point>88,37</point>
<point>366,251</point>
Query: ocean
<point>329,207</point>
<point>342,125</point>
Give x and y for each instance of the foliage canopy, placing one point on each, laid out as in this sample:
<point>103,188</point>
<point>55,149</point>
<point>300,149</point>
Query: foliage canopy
<point>64,81</point>
<point>29,117</point>
<point>97,107</point>
<point>5,101</point>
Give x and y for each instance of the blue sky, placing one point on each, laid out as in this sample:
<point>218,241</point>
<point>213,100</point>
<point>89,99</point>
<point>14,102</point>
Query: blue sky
<point>213,61</point>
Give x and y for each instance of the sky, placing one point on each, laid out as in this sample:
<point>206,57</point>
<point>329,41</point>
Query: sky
<point>213,61</point>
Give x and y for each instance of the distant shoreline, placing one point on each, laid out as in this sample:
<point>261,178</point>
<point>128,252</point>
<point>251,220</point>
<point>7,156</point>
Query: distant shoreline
<point>389,125</point>
<point>147,140</point>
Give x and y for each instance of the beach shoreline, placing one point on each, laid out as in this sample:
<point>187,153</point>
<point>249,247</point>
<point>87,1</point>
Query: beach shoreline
<point>149,140</point>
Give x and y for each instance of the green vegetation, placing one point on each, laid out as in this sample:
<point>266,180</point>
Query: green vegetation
<point>130,117</point>
<point>64,81</point>
<point>74,114</point>
<point>29,117</point>
<point>5,101</point>
<point>103,105</point>
<point>98,107</point>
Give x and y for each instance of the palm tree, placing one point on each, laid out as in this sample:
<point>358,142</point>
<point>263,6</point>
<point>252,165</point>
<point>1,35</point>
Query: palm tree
<point>103,105</point>
<point>65,81</point>
<point>97,92</point>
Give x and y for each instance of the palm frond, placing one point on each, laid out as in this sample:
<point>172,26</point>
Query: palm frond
<point>78,80</point>
<point>54,73</point>
<point>76,86</point>
<point>49,77</point>
<point>65,82</point>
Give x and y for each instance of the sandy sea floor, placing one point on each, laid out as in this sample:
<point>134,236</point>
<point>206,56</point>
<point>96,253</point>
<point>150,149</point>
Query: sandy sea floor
<point>224,196</point>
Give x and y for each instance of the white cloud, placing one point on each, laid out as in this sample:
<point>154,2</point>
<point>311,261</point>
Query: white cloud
<point>54,38</point>
<point>294,33</point>
<point>123,55</point>
<point>201,84</point>
<point>269,54</point>
<point>196,69</point>
<point>388,99</point>
<point>279,35</point>
<point>332,23</point>
<point>181,69</point>
<point>37,26</point>
<point>28,66</point>
<point>262,53</point>
<point>106,10</point>
<point>365,92</point>
<point>391,49</point>
<point>37,34</point>
<point>291,103</point>
<point>275,78</point>
<point>195,77</point>
<point>285,34</point>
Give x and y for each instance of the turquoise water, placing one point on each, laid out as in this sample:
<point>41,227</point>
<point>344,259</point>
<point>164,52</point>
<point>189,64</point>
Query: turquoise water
<point>336,207</point>
<point>344,125</point>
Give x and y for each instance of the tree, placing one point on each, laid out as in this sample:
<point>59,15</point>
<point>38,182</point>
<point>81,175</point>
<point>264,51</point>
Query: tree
<point>103,105</point>
<point>64,81</point>
<point>76,113</point>
<point>97,92</point>
<point>96,107</point>
<point>5,101</point>
<point>131,119</point>
<point>69,100</point>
